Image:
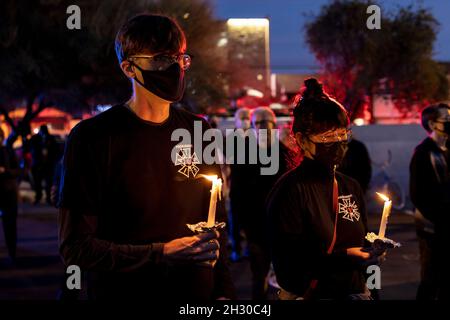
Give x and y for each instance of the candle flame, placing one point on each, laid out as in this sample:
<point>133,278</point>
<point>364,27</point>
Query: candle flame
<point>210,178</point>
<point>382,196</point>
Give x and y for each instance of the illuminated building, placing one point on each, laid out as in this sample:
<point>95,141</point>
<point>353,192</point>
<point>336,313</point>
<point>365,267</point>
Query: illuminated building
<point>245,46</point>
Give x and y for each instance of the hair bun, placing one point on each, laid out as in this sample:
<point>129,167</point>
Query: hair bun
<point>313,89</point>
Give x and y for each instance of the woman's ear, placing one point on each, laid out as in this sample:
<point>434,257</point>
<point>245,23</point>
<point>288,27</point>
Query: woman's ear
<point>299,138</point>
<point>308,148</point>
<point>128,69</point>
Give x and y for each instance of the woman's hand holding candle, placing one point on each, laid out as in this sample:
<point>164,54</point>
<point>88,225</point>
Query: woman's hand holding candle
<point>366,256</point>
<point>199,249</point>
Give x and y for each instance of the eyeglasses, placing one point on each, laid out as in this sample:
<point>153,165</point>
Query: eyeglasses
<point>264,123</point>
<point>442,119</point>
<point>342,135</point>
<point>161,62</point>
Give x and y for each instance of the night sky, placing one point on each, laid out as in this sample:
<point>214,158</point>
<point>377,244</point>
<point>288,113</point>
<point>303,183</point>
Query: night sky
<point>289,52</point>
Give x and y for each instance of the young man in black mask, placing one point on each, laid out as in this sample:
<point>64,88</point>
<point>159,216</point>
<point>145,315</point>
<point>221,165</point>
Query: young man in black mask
<point>430,193</point>
<point>124,202</point>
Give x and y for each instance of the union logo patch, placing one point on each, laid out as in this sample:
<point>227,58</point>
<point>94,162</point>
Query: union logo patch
<point>348,208</point>
<point>187,161</point>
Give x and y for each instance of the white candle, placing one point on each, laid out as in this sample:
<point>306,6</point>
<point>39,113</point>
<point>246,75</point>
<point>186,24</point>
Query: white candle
<point>216,192</point>
<point>386,212</point>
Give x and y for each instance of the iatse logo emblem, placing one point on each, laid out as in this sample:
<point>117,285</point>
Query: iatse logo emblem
<point>186,160</point>
<point>348,208</point>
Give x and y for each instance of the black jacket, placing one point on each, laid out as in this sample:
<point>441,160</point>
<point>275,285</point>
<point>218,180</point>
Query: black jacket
<point>301,224</point>
<point>430,184</point>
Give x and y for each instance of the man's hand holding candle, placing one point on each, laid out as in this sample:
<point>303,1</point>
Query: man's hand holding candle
<point>202,249</point>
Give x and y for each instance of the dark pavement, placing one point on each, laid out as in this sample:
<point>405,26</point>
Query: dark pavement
<point>38,270</point>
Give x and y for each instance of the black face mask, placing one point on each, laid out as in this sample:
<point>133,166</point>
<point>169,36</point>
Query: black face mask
<point>167,84</point>
<point>330,154</point>
<point>447,127</point>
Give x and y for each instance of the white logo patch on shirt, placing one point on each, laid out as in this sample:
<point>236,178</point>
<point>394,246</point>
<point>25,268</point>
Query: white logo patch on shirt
<point>187,161</point>
<point>348,208</point>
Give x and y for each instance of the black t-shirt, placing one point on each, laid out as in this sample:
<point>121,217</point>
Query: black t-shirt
<point>122,196</point>
<point>301,223</point>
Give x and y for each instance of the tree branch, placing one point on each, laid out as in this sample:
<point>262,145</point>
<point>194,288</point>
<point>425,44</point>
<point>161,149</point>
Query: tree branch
<point>7,118</point>
<point>43,103</point>
<point>29,110</point>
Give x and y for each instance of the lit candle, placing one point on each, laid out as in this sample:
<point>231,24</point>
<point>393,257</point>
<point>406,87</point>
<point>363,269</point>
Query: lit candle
<point>384,218</point>
<point>216,192</point>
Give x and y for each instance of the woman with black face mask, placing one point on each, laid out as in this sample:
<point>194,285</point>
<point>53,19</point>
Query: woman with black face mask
<point>317,216</point>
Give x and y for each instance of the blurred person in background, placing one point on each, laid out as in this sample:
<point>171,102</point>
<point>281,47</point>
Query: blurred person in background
<point>252,191</point>
<point>357,164</point>
<point>44,151</point>
<point>430,194</point>
<point>9,172</point>
<point>238,203</point>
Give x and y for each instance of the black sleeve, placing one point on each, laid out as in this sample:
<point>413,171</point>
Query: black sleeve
<point>80,204</point>
<point>428,196</point>
<point>287,236</point>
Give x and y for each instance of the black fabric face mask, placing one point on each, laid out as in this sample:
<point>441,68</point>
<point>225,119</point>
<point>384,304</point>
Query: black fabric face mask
<point>447,127</point>
<point>167,84</point>
<point>330,154</point>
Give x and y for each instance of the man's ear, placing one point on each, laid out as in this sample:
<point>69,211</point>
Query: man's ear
<point>127,69</point>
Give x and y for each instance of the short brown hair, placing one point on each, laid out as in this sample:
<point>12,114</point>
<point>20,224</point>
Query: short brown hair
<point>431,113</point>
<point>149,32</point>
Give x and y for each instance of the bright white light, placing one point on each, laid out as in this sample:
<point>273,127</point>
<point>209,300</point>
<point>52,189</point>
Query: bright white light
<point>248,22</point>
<point>103,107</point>
<point>255,93</point>
<point>276,106</point>
<point>210,178</point>
<point>359,122</point>
<point>36,130</point>
<point>382,196</point>
<point>222,42</point>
